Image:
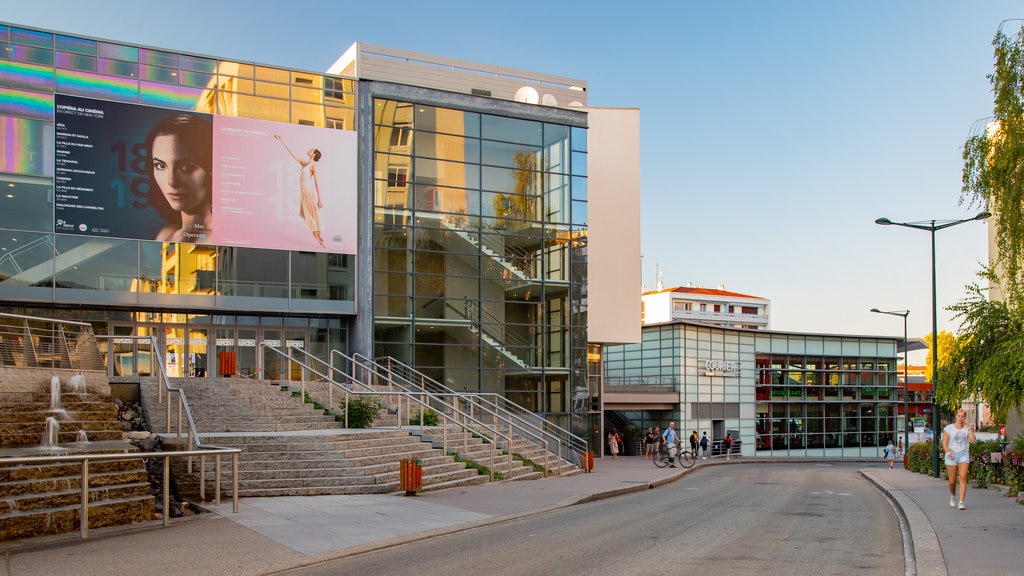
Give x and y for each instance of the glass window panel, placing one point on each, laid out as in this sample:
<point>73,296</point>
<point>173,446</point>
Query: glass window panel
<point>508,155</point>
<point>427,171</point>
<point>272,90</point>
<point>28,104</point>
<point>169,96</point>
<point>579,188</point>
<point>31,55</point>
<point>253,272</point>
<point>579,139</point>
<point>151,264</point>
<point>26,204</point>
<point>254,107</point>
<point>579,164</point>
<point>73,44</point>
<point>307,94</point>
<point>339,118</point>
<point>447,147</point>
<point>97,86</point>
<point>196,79</point>
<point>511,130</point>
<point>307,114</point>
<point>444,199</point>
<point>579,213</point>
<point>308,281</point>
<point>26,76</point>
<point>308,80</point>
<point>26,259</point>
<point>159,74</point>
<point>235,84</point>
<point>508,180</point>
<point>31,38</point>
<point>104,264</point>
<point>158,58</point>
<point>272,74</point>
<point>27,145</point>
<point>118,68</point>
<point>197,64</point>
<point>119,52</point>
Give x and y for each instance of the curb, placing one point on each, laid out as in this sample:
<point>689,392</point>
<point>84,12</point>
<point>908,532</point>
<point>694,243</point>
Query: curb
<point>922,552</point>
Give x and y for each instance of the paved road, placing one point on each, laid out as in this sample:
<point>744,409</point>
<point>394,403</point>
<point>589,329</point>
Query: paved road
<point>773,519</point>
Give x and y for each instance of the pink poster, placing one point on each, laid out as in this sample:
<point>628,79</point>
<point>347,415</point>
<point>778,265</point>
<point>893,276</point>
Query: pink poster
<point>284,186</point>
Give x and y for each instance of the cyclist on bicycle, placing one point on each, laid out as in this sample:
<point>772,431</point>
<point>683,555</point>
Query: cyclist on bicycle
<point>671,439</point>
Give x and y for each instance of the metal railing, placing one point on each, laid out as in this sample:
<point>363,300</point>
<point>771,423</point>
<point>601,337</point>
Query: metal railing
<point>359,380</point>
<point>181,415</point>
<point>519,421</point>
<point>85,459</point>
<point>31,342</point>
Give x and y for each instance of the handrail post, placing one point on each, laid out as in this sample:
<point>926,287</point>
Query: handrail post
<point>167,490</point>
<point>84,514</point>
<point>202,477</point>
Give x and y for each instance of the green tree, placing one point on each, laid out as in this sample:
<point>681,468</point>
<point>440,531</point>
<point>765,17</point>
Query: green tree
<point>988,358</point>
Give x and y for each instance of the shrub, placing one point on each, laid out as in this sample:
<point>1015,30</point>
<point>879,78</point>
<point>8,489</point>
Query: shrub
<point>361,411</point>
<point>430,418</point>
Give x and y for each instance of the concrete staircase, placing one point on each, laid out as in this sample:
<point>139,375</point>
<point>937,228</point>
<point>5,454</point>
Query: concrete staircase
<point>289,447</point>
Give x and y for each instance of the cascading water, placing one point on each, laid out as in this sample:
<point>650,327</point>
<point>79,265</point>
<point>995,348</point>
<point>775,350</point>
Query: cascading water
<point>55,405</point>
<point>81,436</point>
<point>50,433</point>
<point>76,384</point>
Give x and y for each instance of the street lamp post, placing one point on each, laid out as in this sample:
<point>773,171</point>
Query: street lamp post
<point>906,379</point>
<point>933,226</point>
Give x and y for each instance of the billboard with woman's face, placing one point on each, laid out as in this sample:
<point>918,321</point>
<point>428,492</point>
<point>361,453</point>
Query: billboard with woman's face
<point>130,171</point>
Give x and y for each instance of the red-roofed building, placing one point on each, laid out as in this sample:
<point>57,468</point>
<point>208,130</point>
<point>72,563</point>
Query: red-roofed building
<point>717,307</point>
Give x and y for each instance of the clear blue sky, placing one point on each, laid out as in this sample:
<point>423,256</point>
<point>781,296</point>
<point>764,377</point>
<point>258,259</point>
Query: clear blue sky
<point>773,134</point>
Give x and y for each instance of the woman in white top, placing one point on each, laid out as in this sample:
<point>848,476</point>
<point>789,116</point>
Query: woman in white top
<point>956,442</point>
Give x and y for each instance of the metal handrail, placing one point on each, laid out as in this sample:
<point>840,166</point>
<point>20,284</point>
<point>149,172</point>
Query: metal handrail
<point>34,342</point>
<point>531,426</point>
<point>194,442</point>
<point>520,420</point>
<point>85,459</point>
<point>464,421</point>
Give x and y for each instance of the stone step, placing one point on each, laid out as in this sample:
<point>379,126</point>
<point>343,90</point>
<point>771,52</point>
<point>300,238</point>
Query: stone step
<point>64,519</point>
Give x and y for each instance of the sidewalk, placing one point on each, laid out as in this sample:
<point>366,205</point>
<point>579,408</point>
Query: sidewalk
<point>273,534</point>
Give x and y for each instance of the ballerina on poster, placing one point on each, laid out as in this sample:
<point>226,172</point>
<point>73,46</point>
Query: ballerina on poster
<point>285,186</point>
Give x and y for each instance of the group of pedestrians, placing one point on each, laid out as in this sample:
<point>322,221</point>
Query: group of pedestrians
<point>652,440</point>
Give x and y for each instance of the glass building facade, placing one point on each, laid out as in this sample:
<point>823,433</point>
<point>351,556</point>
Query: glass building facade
<point>781,394</point>
<point>470,260</point>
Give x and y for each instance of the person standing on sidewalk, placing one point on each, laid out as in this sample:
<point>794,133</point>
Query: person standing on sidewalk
<point>693,443</point>
<point>671,440</point>
<point>728,446</point>
<point>650,441</point>
<point>704,446</point>
<point>956,443</point>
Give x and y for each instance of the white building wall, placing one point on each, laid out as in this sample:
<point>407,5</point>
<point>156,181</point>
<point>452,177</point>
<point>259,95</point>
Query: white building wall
<point>613,216</point>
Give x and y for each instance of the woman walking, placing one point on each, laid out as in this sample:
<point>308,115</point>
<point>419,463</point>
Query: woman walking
<point>956,442</point>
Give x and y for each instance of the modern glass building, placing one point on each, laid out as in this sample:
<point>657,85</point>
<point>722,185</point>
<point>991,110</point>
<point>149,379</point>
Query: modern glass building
<point>403,205</point>
<point>780,394</point>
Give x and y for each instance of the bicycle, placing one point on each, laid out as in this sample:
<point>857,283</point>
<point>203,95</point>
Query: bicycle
<point>663,456</point>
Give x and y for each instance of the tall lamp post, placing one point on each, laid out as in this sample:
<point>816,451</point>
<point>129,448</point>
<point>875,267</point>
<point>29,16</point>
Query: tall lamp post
<point>933,226</point>
<point>906,380</point>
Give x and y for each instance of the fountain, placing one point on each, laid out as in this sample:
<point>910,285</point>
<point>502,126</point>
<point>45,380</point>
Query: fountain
<point>76,384</point>
<point>56,408</point>
<point>55,405</point>
<point>81,436</point>
<point>50,433</point>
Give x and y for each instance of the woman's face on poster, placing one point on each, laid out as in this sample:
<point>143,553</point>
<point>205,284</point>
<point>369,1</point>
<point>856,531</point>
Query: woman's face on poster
<point>182,180</point>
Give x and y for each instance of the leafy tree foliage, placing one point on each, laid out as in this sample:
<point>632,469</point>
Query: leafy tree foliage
<point>987,359</point>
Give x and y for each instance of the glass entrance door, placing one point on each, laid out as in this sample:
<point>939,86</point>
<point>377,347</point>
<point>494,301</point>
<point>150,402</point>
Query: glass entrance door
<point>198,357</point>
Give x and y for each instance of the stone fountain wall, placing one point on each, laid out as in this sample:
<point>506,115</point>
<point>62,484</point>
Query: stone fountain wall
<point>14,379</point>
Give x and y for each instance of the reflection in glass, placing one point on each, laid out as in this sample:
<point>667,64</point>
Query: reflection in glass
<point>95,263</point>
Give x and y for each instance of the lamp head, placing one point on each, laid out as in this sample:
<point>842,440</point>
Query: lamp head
<point>982,215</point>
<point>884,222</point>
